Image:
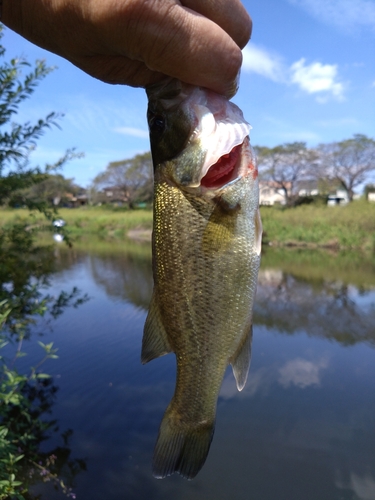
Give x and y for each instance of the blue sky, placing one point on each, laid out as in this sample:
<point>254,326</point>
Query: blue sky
<point>308,75</point>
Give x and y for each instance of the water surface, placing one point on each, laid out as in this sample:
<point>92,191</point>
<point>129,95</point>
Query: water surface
<point>303,427</point>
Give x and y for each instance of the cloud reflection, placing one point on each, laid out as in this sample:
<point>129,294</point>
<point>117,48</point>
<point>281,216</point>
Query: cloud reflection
<point>302,372</point>
<point>363,486</point>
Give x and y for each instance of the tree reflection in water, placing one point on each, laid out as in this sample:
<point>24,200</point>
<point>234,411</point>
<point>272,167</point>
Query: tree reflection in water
<point>322,306</point>
<point>313,291</point>
<point>123,269</point>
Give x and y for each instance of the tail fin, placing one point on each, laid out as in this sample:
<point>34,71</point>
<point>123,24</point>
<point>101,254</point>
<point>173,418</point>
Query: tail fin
<point>181,448</point>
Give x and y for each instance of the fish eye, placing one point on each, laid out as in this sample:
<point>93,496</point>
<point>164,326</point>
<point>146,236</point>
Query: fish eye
<point>157,123</point>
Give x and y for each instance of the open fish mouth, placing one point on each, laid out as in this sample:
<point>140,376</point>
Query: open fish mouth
<point>226,170</point>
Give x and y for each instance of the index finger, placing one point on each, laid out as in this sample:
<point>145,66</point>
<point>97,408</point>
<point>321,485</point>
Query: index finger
<point>189,46</point>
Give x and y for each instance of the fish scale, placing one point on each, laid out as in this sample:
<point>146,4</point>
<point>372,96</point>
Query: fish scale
<point>206,256</point>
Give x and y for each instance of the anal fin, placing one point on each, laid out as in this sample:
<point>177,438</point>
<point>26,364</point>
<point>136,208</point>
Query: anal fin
<point>241,361</point>
<point>155,341</point>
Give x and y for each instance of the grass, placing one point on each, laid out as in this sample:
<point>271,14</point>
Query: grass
<point>346,227</point>
<point>105,222</point>
<point>310,226</point>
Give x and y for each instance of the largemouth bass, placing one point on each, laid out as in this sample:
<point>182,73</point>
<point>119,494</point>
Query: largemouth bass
<point>206,255</point>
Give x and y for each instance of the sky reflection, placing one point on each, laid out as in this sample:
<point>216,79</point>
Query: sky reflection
<point>302,428</point>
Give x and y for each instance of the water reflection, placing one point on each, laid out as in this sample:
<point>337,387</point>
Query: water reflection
<point>302,372</point>
<point>322,307</point>
<point>27,394</point>
<point>303,427</point>
<point>122,269</point>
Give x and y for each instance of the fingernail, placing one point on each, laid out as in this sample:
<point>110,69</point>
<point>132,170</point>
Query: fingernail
<point>233,88</point>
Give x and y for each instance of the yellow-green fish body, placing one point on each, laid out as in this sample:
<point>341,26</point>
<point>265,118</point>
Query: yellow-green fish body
<point>206,255</point>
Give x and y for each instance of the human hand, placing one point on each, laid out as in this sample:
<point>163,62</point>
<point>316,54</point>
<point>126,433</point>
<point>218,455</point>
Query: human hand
<point>138,42</point>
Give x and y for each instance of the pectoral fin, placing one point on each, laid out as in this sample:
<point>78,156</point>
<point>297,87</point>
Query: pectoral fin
<point>241,361</point>
<point>258,232</point>
<point>155,341</point>
<point>219,232</point>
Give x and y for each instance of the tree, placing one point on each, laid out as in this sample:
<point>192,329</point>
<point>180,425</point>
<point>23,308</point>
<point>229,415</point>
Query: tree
<point>133,177</point>
<point>53,190</point>
<point>17,141</point>
<point>25,268</point>
<point>286,165</point>
<point>348,162</point>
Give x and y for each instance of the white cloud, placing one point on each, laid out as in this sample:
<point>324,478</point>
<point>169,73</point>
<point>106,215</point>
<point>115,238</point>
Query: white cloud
<point>133,131</point>
<point>263,63</point>
<point>301,372</point>
<point>317,78</point>
<point>347,14</point>
<point>284,130</point>
<point>300,135</point>
<point>91,116</point>
<point>338,122</point>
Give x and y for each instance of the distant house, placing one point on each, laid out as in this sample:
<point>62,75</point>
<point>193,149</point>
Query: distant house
<point>370,192</point>
<point>339,197</point>
<point>114,195</point>
<point>78,200</point>
<point>271,193</point>
<point>335,195</point>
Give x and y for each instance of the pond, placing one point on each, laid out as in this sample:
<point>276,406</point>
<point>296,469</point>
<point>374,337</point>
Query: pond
<point>303,427</point>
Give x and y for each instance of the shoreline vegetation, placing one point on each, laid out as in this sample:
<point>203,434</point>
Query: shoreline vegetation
<point>350,227</point>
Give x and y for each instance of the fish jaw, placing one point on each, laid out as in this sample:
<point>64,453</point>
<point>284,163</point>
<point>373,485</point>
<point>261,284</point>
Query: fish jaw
<point>216,145</point>
<point>234,175</point>
<point>221,127</point>
<point>191,130</point>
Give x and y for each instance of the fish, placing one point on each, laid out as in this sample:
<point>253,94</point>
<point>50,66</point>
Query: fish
<point>206,246</point>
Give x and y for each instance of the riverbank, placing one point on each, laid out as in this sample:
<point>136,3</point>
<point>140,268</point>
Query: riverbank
<point>106,223</point>
<point>310,226</point>
<point>339,227</point>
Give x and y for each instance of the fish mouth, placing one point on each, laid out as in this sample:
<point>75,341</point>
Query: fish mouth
<point>224,171</point>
